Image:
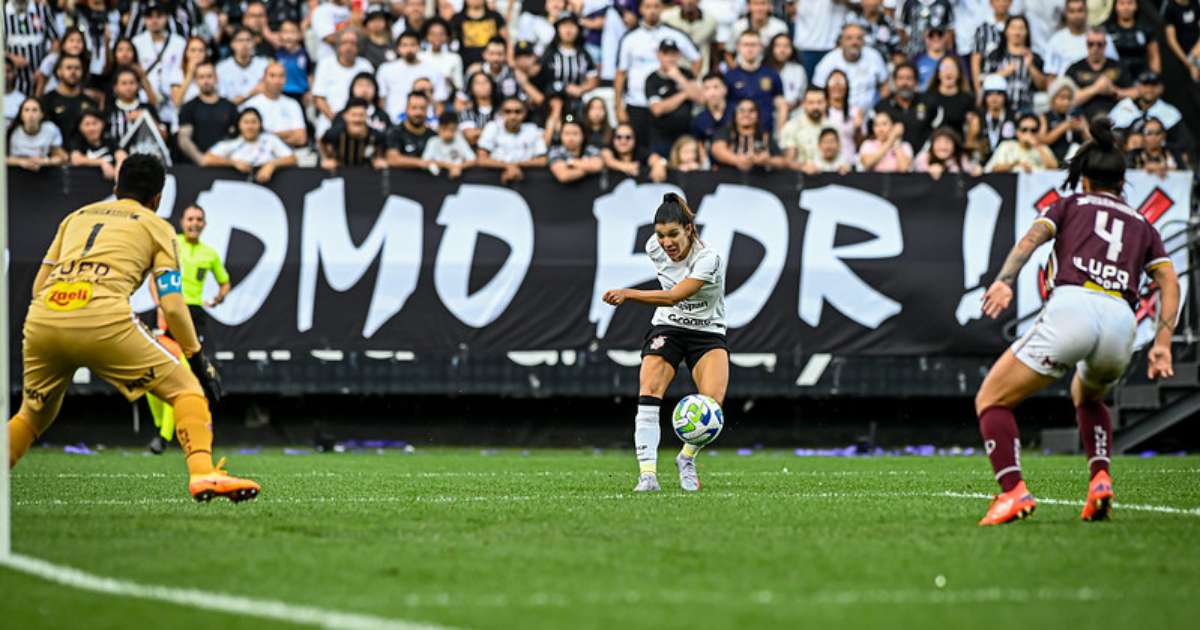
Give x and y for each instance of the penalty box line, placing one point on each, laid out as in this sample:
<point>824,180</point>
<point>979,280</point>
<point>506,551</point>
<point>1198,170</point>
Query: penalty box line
<point>204,600</point>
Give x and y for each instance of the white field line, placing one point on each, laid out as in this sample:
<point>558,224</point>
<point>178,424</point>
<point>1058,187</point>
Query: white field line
<point>591,473</point>
<point>594,498</point>
<point>220,602</point>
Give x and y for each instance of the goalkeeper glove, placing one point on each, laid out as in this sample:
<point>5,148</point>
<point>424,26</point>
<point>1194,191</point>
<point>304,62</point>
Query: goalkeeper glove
<point>210,379</point>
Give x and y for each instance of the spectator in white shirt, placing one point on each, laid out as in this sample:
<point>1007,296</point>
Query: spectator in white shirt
<point>864,67</point>
<point>637,59</point>
<point>816,32</point>
<point>33,141</point>
<point>449,150</point>
<point>437,52</point>
<point>160,54</point>
<point>251,149</point>
<point>510,144</point>
<point>396,77</point>
<point>758,19</point>
<point>331,82</point>
<point>240,76</point>
<point>281,115</point>
<point>1069,44</point>
<point>327,19</point>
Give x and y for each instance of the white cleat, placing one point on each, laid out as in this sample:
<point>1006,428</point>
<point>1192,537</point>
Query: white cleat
<point>688,479</point>
<point>647,482</point>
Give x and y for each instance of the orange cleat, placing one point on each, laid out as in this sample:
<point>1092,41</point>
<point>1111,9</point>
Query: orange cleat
<point>1010,506</point>
<point>219,483</point>
<point>1099,499</point>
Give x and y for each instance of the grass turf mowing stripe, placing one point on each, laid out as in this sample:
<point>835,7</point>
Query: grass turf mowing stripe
<point>220,602</point>
<point>451,499</point>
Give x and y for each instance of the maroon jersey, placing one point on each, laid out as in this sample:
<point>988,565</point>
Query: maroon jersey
<point>1101,243</point>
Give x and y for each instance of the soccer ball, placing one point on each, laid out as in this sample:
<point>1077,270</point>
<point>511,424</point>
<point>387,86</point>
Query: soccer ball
<point>698,419</point>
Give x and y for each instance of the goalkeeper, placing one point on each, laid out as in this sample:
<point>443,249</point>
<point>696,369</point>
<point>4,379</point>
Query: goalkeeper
<point>80,316</point>
<point>196,261</point>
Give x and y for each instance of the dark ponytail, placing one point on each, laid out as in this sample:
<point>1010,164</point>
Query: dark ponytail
<point>674,209</point>
<point>1100,160</point>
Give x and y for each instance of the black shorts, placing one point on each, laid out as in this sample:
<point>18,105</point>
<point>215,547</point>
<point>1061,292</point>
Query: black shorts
<point>680,344</point>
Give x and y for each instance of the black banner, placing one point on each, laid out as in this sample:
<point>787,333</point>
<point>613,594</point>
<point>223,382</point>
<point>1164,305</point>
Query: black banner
<point>404,261</point>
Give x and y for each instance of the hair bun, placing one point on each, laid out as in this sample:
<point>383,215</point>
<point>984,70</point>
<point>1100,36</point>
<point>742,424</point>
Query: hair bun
<point>671,197</point>
<point>1101,128</point>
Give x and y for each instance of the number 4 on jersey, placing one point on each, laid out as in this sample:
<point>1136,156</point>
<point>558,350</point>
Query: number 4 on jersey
<point>1112,237</point>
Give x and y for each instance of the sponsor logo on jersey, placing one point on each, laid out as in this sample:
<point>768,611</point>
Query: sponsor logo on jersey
<point>689,321</point>
<point>690,306</point>
<point>68,296</point>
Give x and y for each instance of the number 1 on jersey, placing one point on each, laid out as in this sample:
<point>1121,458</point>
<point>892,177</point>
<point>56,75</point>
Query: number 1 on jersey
<point>1113,236</point>
<point>91,239</point>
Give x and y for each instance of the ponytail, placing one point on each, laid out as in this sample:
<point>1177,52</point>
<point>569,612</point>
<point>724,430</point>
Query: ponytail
<point>674,209</point>
<point>1100,160</point>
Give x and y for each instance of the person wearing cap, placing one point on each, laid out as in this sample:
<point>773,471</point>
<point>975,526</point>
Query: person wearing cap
<point>1148,103</point>
<point>918,16</point>
<point>1070,43</point>
<point>700,27</point>
<point>1063,127</point>
<point>160,54</point>
<point>527,70</point>
<point>671,91</point>
<point>759,82</point>
<point>376,42</point>
<point>637,57</point>
<point>996,122</point>
<point>937,43</point>
<point>1102,81</point>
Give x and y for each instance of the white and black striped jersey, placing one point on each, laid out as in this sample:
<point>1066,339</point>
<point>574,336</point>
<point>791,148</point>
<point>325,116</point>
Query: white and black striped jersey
<point>564,67</point>
<point>180,22</point>
<point>29,31</point>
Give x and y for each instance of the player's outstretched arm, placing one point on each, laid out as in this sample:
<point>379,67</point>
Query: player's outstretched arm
<point>1168,309</point>
<point>999,295</point>
<point>677,294</point>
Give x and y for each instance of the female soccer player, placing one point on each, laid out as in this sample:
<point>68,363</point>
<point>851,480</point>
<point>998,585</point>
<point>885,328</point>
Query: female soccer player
<point>689,324</point>
<point>1101,248</point>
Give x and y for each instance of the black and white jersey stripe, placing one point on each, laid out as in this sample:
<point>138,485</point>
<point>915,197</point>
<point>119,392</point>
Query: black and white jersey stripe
<point>180,22</point>
<point>30,34</point>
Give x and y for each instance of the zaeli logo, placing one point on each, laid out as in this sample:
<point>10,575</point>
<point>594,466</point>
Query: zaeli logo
<point>1152,208</point>
<point>68,296</point>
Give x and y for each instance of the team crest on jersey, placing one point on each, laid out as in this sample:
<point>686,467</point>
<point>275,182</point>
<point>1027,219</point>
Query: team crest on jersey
<point>69,296</point>
<point>658,342</point>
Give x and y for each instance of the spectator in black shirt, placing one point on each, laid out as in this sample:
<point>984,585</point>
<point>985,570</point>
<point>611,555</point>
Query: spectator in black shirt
<point>716,113</point>
<point>351,141</point>
<point>743,145</point>
<point>1101,80</point>
<point>904,108</point>
<point>363,86</point>
<point>90,146</point>
<point>625,156</point>
<point>948,100</point>
<point>406,141</point>
<point>1154,156</point>
<point>376,42</point>
<point>255,20</point>
<point>670,91</point>
<point>1134,40</point>
<point>1182,29</point>
<point>206,119</point>
<point>474,27</point>
<point>67,103</point>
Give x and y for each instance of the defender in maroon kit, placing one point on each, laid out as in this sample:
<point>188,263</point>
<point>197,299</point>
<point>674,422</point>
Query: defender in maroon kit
<point>1101,248</point>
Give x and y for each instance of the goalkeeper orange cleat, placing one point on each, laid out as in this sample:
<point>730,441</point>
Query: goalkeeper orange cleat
<point>1010,506</point>
<point>219,483</point>
<point>1099,499</point>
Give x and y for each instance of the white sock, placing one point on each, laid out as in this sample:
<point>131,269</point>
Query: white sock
<point>646,433</point>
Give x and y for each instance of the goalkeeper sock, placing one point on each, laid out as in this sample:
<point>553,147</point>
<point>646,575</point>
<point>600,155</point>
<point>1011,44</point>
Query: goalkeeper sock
<point>646,433</point>
<point>21,435</point>
<point>690,450</point>
<point>193,427</point>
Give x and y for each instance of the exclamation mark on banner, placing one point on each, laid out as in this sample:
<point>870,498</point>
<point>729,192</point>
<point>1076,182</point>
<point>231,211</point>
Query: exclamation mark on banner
<point>979,227</point>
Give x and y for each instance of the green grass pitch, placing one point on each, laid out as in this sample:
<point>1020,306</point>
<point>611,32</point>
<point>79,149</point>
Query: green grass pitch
<point>555,539</point>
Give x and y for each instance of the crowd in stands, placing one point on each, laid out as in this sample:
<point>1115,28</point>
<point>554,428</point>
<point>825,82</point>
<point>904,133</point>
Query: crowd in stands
<point>641,87</point>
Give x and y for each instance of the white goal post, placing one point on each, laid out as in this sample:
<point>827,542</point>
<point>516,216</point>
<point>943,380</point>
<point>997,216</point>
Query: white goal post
<point>5,502</point>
